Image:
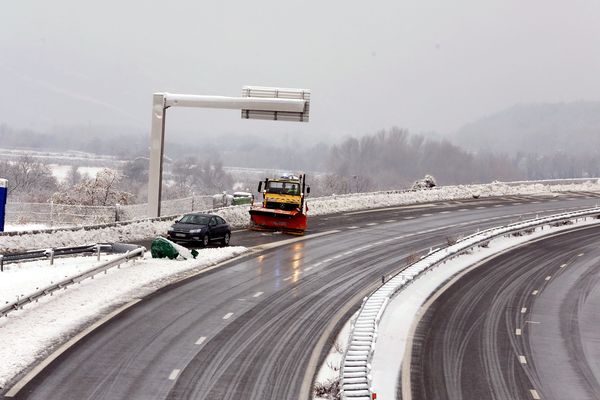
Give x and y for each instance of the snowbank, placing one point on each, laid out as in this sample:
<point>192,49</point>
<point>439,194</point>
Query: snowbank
<point>239,218</point>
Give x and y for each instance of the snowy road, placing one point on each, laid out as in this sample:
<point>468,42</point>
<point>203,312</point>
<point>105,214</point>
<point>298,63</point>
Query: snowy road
<point>523,325</point>
<point>257,328</point>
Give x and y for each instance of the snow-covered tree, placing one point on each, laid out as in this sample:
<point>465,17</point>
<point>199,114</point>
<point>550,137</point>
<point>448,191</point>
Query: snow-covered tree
<point>103,190</point>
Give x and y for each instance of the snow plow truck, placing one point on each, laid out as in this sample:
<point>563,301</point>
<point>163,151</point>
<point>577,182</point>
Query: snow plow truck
<point>283,207</point>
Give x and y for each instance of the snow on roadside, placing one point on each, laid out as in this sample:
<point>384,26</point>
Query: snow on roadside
<point>397,321</point>
<point>32,333</point>
<point>239,218</point>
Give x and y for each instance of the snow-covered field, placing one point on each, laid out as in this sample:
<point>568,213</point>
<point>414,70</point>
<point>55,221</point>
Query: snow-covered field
<point>31,333</point>
<point>238,216</point>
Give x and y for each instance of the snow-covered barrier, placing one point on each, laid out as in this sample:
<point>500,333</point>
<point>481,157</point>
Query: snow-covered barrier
<point>129,255</point>
<point>355,368</point>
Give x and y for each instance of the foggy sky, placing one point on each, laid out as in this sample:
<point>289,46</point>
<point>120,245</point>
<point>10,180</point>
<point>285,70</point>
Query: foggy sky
<point>421,65</point>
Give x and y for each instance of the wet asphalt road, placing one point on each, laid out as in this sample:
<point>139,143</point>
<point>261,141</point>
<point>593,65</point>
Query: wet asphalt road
<point>258,327</point>
<point>524,325</point>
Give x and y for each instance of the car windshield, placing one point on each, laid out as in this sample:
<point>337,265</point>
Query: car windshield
<point>195,219</point>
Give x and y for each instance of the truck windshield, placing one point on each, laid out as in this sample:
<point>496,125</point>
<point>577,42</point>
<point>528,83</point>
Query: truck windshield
<point>283,188</point>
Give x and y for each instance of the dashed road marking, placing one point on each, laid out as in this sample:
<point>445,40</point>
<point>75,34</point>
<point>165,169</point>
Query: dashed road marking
<point>348,252</point>
<point>353,227</point>
<point>535,202</point>
<point>338,256</point>
<point>426,215</point>
<point>548,277</point>
<point>479,208</point>
<point>534,394</point>
<point>287,279</point>
<point>518,332</point>
<point>200,340</point>
<point>564,265</point>
<point>523,310</point>
<point>317,264</point>
<point>228,315</point>
<point>308,268</point>
<point>522,360</point>
<point>409,218</point>
<point>258,294</point>
<point>390,220</point>
<point>444,212</point>
<point>327,260</point>
<point>580,254</point>
<point>534,292</point>
<point>372,223</point>
<point>516,204</point>
<point>499,205</point>
<point>174,374</point>
<point>464,209</point>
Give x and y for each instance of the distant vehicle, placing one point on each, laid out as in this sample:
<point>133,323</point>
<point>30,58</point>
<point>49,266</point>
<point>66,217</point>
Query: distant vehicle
<point>200,228</point>
<point>283,206</point>
<point>242,198</point>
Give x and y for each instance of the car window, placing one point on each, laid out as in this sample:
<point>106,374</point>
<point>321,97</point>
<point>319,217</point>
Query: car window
<point>213,221</point>
<point>194,219</point>
<point>221,220</point>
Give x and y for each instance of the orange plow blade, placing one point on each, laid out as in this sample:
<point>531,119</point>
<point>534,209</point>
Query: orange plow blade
<point>273,219</point>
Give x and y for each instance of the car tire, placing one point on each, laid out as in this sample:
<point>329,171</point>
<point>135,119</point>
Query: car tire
<point>226,238</point>
<point>205,240</point>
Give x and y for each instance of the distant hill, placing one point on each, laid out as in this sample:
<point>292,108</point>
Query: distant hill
<point>573,128</point>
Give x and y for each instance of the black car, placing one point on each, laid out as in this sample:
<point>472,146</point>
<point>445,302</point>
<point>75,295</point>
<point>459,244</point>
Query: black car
<point>200,228</point>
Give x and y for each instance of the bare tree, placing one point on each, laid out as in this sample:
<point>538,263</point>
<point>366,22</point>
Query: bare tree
<point>28,180</point>
<point>103,190</point>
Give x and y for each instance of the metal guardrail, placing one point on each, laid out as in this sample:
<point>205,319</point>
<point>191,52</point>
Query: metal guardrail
<point>355,367</point>
<point>129,255</point>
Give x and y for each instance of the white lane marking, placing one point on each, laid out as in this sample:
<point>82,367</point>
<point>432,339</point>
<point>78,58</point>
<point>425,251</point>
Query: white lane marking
<point>200,340</point>
<point>409,218</point>
<point>534,292</point>
<point>518,332</point>
<point>426,215</point>
<point>522,360</point>
<point>308,268</point>
<point>516,204</point>
<point>338,256</point>
<point>532,322</point>
<point>444,212</point>
<point>352,227</point>
<point>464,209</point>
<point>174,374</point>
<point>372,224</point>
<point>499,205</point>
<point>479,208</point>
<point>348,252</point>
<point>579,255</point>
<point>287,279</point>
<point>326,260</point>
<point>535,202</point>
<point>258,294</point>
<point>317,264</point>
<point>564,265</point>
<point>391,209</point>
<point>548,277</point>
<point>534,394</point>
<point>523,310</point>
<point>228,315</point>
<point>390,220</point>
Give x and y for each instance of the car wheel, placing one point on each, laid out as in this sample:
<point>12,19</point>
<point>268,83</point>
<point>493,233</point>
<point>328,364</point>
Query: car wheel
<point>205,240</point>
<point>226,238</point>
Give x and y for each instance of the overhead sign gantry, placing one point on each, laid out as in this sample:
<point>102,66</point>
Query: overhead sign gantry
<point>257,102</point>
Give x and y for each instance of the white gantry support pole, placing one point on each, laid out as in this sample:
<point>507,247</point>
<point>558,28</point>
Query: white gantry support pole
<point>257,102</point>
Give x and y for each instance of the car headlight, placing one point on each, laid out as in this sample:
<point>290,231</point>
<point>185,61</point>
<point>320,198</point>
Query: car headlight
<point>196,231</point>
<point>170,229</point>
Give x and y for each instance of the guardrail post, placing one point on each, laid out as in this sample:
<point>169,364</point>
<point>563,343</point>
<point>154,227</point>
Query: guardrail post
<point>51,254</point>
<point>1,263</point>
<point>98,251</point>
<point>117,212</point>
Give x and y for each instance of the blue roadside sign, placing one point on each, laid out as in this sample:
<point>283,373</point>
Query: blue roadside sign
<point>3,195</point>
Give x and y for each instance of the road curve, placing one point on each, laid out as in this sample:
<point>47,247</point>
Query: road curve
<point>523,325</point>
<point>257,328</point>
